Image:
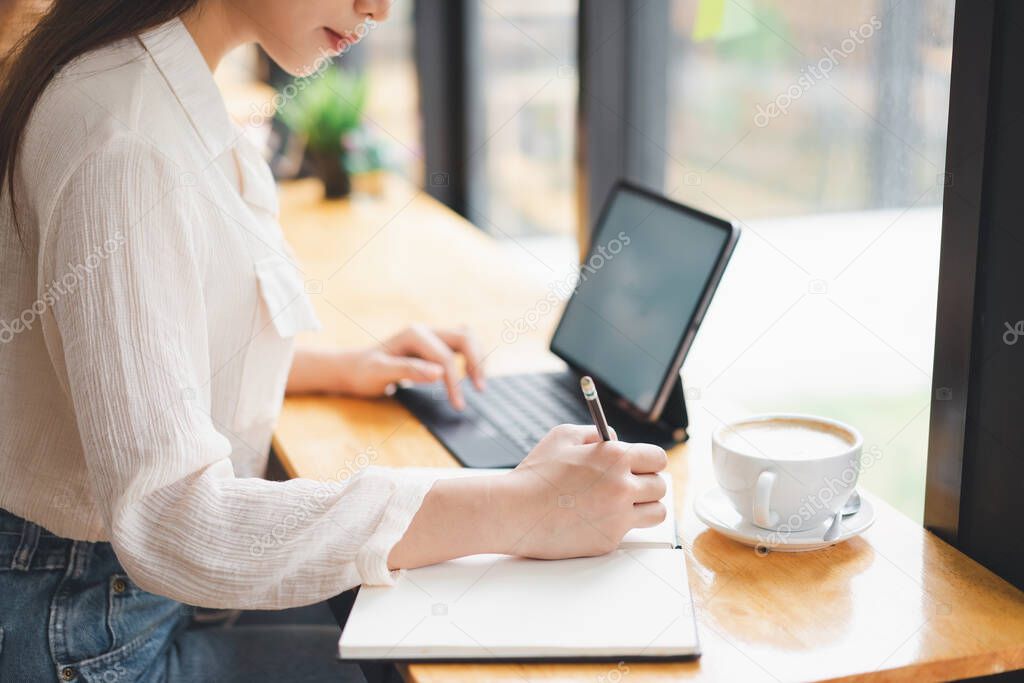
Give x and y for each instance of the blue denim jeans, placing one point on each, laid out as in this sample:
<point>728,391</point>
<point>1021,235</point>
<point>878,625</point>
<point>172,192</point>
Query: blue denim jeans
<point>69,612</point>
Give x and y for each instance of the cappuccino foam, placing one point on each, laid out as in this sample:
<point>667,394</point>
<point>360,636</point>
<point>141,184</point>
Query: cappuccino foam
<point>787,439</point>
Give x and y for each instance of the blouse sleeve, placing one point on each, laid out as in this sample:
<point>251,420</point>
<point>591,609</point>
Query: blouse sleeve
<point>132,335</point>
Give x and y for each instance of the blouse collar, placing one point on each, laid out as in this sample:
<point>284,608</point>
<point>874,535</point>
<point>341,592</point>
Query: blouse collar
<point>182,65</point>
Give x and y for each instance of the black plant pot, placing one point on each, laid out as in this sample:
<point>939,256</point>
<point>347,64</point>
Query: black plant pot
<point>330,168</point>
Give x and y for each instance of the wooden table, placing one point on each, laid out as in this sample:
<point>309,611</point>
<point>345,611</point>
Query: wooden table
<point>894,604</point>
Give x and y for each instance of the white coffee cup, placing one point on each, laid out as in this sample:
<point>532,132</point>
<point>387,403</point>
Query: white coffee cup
<point>787,472</point>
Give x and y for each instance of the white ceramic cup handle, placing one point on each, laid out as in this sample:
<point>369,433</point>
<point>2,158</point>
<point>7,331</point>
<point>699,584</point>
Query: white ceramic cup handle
<point>762,499</point>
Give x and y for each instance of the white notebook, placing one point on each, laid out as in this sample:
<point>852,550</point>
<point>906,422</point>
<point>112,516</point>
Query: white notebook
<point>631,604</point>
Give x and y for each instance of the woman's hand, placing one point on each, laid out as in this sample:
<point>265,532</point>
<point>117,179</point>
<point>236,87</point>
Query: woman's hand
<point>573,496</point>
<point>417,354</point>
<point>580,495</point>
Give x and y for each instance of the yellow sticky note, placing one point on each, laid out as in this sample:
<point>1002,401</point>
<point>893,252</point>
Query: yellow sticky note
<point>709,19</point>
<point>723,20</point>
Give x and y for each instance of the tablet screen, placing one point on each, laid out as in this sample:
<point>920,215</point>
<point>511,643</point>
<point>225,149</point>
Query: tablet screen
<point>638,293</point>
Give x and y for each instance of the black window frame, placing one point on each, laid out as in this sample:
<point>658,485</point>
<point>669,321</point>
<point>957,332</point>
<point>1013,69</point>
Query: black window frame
<point>975,480</point>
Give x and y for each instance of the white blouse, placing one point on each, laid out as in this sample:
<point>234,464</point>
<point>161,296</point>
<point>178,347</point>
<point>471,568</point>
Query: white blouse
<point>147,318</point>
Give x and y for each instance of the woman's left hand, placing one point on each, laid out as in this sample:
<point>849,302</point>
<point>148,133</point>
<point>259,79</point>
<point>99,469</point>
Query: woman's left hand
<point>418,354</point>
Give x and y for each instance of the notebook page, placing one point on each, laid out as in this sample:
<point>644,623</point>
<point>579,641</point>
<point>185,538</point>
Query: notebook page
<point>629,603</point>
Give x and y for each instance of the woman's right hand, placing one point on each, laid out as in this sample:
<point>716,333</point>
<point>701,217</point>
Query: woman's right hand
<point>575,495</point>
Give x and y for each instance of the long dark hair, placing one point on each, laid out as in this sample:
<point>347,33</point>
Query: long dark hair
<point>68,30</point>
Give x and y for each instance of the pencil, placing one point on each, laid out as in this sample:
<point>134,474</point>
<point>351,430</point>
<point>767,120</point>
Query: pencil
<point>594,404</point>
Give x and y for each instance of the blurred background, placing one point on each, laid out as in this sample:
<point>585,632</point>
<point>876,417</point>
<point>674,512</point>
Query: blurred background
<point>818,126</point>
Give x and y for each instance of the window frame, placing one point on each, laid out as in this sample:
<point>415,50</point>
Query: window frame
<point>973,485</point>
<point>623,101</point>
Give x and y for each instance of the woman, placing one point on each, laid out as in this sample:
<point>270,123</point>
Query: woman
<point>147,310</point>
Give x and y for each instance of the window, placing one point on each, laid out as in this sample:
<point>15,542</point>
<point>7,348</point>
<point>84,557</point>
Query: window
<point>823,133</point>
<point>528,92</point>
<point>392,110</point>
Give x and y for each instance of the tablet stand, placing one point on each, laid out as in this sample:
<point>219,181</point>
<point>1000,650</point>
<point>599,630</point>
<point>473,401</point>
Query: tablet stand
<point>674,418</point>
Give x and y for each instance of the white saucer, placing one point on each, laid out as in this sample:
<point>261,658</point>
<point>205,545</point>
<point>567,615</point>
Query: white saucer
<point>714,509</point>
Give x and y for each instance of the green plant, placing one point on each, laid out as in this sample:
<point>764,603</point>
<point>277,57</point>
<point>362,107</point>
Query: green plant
<point>363,153</point>
<point>326,106</point>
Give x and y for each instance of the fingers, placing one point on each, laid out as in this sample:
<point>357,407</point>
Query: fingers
<point>398,368</point>
<point>649,488</point>
<point>648,514</point>
<point>645,458</point>
<point>440,347</point>
<point>594,436</point>
<point>465,342</point>
<point>424,343</point>
<point>578,434</point>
